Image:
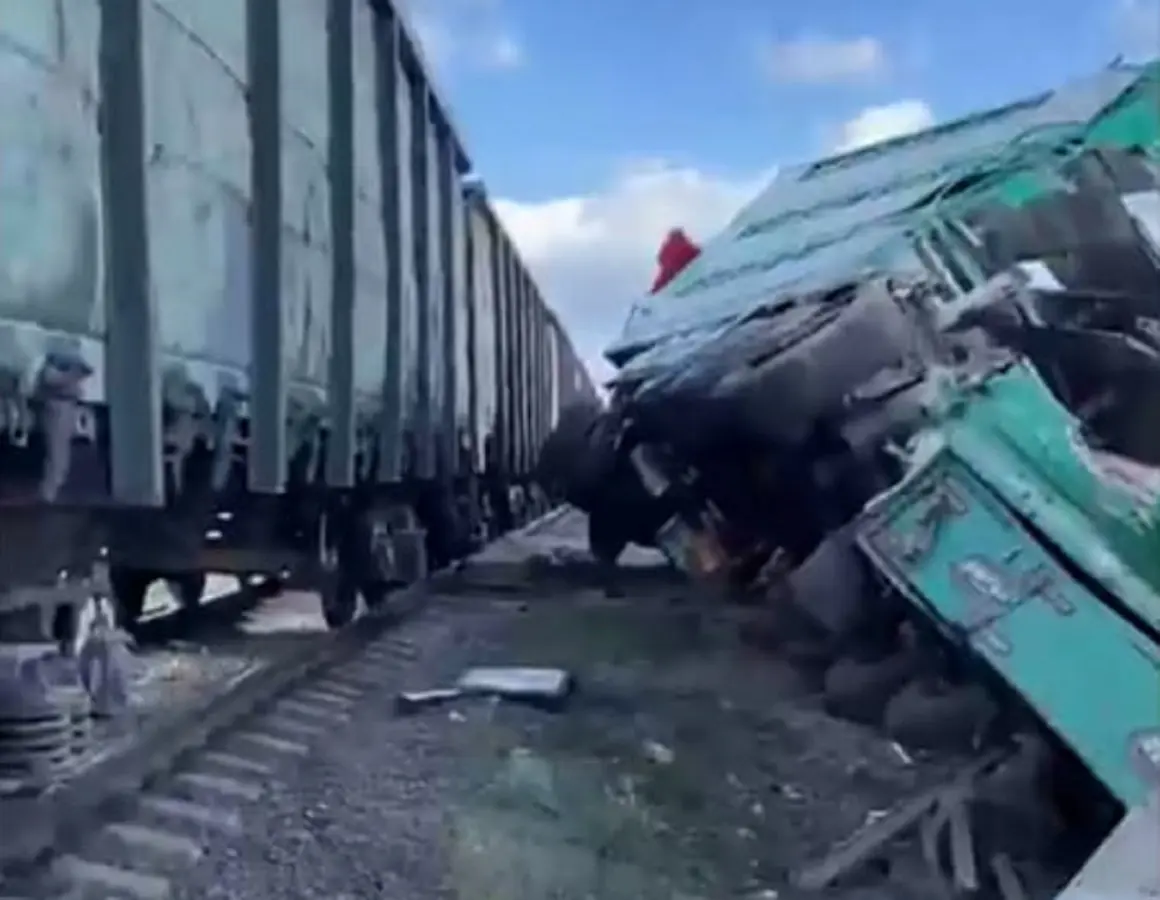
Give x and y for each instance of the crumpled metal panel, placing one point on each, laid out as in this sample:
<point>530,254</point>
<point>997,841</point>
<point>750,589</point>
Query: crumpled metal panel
<point>370,311</point>
<point>737,273</point>
<point>50,198</point>
<point>305,195</point>
<point>198,188</point>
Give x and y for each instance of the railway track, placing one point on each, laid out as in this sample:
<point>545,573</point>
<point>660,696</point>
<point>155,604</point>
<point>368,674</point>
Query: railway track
<point>142,804</point>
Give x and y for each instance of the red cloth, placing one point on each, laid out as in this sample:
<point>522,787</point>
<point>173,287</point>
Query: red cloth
<point>675,255</point>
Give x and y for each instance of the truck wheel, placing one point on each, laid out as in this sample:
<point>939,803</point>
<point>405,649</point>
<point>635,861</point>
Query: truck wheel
<point>935,717</point>
<point>129,587</point>
<point>859,690</point>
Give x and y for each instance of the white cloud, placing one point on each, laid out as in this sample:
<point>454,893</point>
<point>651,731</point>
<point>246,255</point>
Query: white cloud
<point>593,255</point>
<point>880,123</point>
<point>502,51</point>
<point>816,59</point>
<point>470,33</point>
<point>1138,28</point>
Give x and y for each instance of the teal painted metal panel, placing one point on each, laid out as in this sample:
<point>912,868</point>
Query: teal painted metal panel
<point>1023,443</point>
<point>949,543</point>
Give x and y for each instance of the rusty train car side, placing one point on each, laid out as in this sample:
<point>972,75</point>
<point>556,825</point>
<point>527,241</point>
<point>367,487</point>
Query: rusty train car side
<point>256,314</point>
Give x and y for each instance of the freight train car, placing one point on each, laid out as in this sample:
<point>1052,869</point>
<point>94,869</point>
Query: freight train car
<point>526,371</point>
<point>249,322</point>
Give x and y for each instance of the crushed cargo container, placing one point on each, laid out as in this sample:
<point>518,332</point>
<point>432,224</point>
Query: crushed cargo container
<point>910,392</point>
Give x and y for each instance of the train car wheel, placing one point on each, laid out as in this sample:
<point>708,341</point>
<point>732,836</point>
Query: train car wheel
<point>339,599</point>
<point>338,587</point>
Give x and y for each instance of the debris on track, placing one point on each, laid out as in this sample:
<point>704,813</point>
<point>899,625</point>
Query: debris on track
<point>684,765</point>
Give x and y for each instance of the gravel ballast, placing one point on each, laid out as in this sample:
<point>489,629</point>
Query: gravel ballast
<point>683,767</point>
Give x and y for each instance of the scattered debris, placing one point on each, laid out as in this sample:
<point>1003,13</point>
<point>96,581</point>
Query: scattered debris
<point>935,810</point>
<point>1009,884</point>
<point>658,753</point>
<point>791,793</point>
<point>546,688</point>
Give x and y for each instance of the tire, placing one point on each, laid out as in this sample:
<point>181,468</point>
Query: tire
<point>927,717</point>
<point>860,691</point>
<point>129,587</point>
<point>358,565</point>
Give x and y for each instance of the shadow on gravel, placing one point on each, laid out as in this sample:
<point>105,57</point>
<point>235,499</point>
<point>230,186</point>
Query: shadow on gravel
<point>682,768</point>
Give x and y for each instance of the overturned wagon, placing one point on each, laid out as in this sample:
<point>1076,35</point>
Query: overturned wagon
<point>922,376</point>
<point>256,318</point>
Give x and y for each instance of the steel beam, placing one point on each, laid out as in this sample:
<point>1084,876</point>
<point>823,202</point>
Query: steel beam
<point>421,242</point>
<point>390,163</point>
<point>267,447</point>
<point>449,251</point>
<point>132,377</point>
<point>340,170</point>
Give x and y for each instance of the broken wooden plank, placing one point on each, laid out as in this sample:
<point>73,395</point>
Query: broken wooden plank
<point>872,840</point>
<point>964,871</point>
<point>1007,879</point>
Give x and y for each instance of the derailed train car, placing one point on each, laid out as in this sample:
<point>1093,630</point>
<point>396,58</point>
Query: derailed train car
<point>249,322</point>
<point>925,376</point>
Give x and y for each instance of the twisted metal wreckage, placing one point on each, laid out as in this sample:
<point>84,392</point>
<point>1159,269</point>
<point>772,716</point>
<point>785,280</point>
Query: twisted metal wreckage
<point>923,377</point>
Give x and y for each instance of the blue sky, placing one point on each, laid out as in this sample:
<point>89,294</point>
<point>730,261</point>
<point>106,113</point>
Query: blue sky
<point>599,123</point>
